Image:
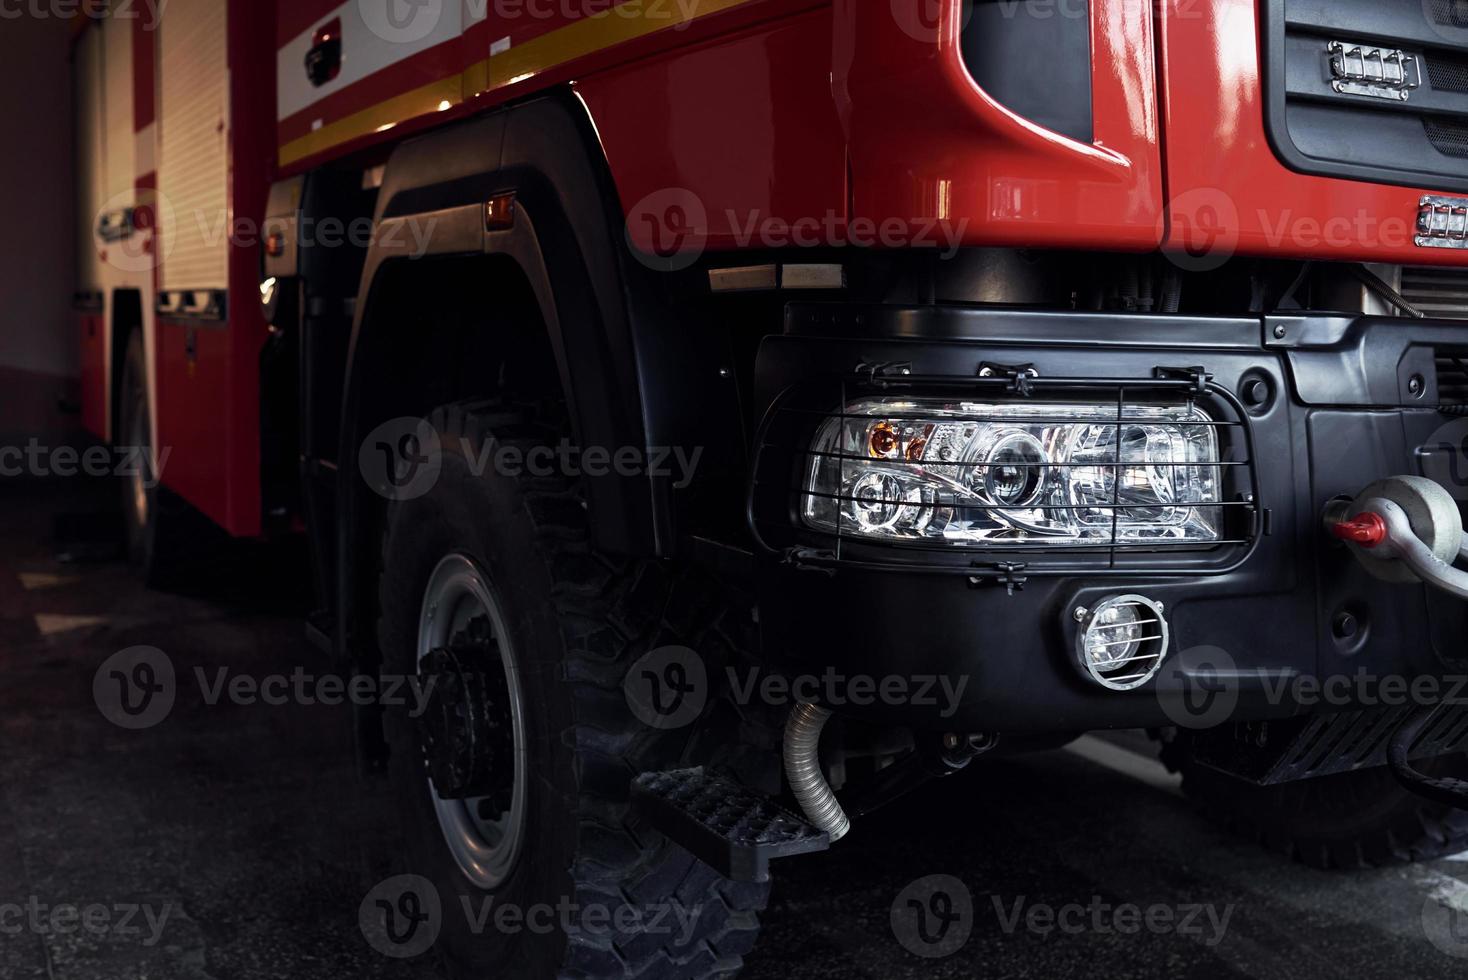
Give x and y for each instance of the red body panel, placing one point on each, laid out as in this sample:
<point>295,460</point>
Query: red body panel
<point>294,16</point>
<point>742,129</point>
<point>197,406</point>
<point>208,399</point>
<point>145,80</point>
<point>1229,191</point>
<point>927,145</point>
<point>464,61</point>
<point>92,328</point>
<point>756,126</point>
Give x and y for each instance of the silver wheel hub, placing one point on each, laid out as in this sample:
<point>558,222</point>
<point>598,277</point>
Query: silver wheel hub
<point>474,728</point>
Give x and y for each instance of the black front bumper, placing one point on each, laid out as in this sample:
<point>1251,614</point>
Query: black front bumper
<point>1349,401</point>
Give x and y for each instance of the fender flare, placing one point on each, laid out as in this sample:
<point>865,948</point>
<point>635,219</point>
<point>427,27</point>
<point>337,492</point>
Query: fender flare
<point>567,239</point>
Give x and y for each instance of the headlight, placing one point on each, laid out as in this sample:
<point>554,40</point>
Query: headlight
<point>965,473</point>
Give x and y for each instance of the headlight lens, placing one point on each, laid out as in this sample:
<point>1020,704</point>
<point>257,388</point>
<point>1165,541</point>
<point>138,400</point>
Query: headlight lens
<point>967,473</point>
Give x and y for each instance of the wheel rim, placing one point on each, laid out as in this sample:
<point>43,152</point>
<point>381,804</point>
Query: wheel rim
<point>484,845</point>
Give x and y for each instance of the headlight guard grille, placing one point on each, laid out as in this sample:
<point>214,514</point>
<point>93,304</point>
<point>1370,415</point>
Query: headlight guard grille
<point>788,443</point>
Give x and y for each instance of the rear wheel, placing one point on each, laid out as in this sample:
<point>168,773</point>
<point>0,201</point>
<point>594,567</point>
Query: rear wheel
<point>513,785</point>
<point>160,535</point>
<point>1352,820</point>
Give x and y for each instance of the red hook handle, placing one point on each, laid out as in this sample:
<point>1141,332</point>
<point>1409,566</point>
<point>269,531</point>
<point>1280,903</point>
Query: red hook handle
<point>1366,529</point>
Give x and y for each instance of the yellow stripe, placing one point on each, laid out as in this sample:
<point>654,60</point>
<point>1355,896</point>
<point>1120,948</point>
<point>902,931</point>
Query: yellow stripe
<point>384,115</point>
<point>625,22</point>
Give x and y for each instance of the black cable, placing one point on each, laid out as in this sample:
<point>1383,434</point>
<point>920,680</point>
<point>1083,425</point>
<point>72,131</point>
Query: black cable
<point>1384,290</point>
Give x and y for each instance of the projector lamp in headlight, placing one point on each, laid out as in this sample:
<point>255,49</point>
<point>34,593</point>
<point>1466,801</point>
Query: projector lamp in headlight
<point>969,474</point>
<point>1122,641</point>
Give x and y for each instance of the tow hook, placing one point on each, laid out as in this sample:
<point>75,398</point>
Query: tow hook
<point>1404,529</point>
<point>1409,529</point>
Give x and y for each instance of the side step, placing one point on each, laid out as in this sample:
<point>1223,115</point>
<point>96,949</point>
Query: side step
<point>1405,746</point>
<point>733,829</point>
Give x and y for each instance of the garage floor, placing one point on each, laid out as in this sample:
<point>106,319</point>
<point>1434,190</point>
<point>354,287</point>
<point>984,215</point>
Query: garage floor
<point>237,842</point>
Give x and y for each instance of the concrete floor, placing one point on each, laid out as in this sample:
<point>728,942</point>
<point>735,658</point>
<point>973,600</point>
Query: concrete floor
<point>246,834</point>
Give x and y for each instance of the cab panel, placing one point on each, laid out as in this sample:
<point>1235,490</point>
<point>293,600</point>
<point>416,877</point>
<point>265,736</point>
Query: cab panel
<point>1273,149</point>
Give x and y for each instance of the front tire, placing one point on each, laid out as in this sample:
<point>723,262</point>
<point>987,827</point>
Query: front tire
<point>561,626</point>
<point>1347,821</point>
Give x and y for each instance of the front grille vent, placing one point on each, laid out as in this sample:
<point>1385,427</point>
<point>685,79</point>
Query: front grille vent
<point>1448,74</point>
<point>1369,89</point>
<point>1447,136</point>
<point>1452,377</point>
<point>1440,292</point>
<point>1450,13</point>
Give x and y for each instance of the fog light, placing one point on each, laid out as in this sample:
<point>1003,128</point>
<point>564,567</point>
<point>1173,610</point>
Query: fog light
<point>1122,641</point>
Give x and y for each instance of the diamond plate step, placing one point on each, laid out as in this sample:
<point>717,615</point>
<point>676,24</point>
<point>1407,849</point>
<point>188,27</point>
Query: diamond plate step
<point>733,829</point>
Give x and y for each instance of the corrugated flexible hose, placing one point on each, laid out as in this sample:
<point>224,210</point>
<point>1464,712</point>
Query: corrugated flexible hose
<point>803,769</point>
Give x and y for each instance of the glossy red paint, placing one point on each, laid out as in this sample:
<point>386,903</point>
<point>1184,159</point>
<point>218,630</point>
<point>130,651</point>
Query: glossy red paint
<point>929,146</point>
<point>292,17</point>
<point>145,54</point>
<point>196,406</point>
<point>739,135</point>
<point>92,328</point>
<point>506,19</point>
<point>1229,193</point>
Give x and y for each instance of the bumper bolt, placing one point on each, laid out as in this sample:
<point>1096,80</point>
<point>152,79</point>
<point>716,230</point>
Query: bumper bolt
<point>1255,392</point>
<point>1345,626</point>
<point>1079,614</point>
<point>1415,385</point>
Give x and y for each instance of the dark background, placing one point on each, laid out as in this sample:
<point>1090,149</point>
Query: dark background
<point>38,342</point>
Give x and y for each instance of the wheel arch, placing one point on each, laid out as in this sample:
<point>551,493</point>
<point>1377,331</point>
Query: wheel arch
<point>562,255</point>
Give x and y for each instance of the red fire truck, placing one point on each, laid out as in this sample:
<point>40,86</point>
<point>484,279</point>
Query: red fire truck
<point>1006,369</point>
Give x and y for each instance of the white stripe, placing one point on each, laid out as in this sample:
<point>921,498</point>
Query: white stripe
<point>364,53</point>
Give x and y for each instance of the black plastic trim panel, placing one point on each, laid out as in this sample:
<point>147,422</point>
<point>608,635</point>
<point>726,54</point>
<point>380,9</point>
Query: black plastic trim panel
<point>1316,131</point>
<point>1005,44</point>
